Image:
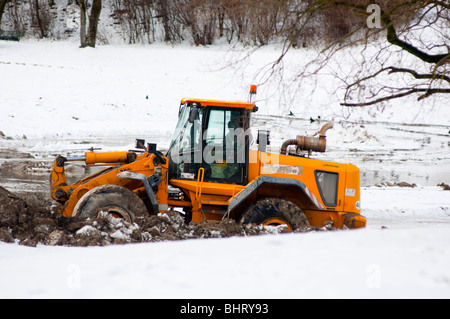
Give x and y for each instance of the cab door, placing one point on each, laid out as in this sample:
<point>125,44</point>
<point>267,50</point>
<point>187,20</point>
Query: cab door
<point>226,144</point>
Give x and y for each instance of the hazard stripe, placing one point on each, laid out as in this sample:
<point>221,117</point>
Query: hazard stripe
<point>313,198</point>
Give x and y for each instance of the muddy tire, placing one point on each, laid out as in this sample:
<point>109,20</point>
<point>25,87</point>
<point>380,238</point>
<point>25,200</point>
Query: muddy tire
<point>116,200</point>
<point>275,211</point>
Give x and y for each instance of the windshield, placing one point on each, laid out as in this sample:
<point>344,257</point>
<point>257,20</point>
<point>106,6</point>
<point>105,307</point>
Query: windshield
<point>221,150</point>
<point>182,123</point>
<point>185,151</point>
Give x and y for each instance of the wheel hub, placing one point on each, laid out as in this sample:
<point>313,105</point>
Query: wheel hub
<point>276,222</point>
<point>115,211</point>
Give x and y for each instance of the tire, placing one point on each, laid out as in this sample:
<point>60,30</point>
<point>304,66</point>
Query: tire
<point>116,200</point>
<point>275,211</point>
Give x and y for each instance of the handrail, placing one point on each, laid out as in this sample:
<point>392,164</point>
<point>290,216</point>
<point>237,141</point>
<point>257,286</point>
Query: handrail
<point>198,189</point>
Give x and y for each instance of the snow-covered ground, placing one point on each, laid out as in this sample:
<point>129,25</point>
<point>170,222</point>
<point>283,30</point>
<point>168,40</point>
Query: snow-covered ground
<point>56,97</point>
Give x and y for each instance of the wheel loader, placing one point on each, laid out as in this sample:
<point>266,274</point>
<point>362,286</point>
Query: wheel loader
<point>211,172</point>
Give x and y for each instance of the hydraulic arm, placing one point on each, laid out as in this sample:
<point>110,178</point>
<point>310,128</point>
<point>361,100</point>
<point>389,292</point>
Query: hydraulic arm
<point>141,174</point>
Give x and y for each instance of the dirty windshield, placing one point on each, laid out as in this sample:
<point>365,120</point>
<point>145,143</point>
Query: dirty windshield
<point>188,133</point>
<point>182,122</point>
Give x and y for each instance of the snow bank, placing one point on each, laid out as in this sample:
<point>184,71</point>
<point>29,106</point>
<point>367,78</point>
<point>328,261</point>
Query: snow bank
<point>341,264</point>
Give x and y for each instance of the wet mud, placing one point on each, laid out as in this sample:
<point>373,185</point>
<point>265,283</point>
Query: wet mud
<point>31,219</point>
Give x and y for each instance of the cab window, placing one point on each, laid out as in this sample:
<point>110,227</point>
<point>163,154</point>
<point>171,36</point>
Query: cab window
<point>225,150</point>
<point>327,182</point>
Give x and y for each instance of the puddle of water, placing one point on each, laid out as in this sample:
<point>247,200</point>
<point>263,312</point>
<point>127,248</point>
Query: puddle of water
<point>384,152</point>
<point>405,153</point>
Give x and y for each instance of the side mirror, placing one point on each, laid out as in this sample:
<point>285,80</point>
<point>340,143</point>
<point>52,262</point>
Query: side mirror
<point>140,143</point>
<point>193,114</point>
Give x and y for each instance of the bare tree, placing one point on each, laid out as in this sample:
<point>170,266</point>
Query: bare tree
<point>430,75</point>
<point>93,22</point>
<point>40,17</point>
<point>414,51</point>
<point>83,13</point>
<point>162,8</point>
<point>199,17</point>
<point>2,9</point>
<point>137,20</point>
<point>89,38</point>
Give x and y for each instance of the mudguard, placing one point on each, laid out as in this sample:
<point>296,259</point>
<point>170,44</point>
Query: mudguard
<point>257,183</point>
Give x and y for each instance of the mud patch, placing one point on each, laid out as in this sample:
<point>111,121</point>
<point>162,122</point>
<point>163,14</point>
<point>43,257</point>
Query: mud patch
<point>25,168</point>
<point>10,153</point>
<point>31,219</point>
<point>396,184</point>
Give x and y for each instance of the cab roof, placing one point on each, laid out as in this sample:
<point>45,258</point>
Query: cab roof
<point>204,103</point>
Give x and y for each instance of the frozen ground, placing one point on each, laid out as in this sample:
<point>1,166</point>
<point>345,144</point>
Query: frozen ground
<point>56,98</point>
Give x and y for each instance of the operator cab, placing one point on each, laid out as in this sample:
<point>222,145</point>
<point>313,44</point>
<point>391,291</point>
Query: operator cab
<point>213,135</point>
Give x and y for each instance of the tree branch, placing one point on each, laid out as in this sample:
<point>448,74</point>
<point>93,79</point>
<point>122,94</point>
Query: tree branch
<point>441,3</point>
<point>392,38</point>
<point>431,76</point>
<point>391,33</point>
<point>427,93</point>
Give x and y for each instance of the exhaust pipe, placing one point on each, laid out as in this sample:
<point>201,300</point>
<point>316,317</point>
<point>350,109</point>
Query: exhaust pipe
<point>307,143</point>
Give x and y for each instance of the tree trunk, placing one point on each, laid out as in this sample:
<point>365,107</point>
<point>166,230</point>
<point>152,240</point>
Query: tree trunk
<point>93,22</point>
<point>42,32</point>
<point>221,16</point>
<point>2,9</point>
<point>83,10</point>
